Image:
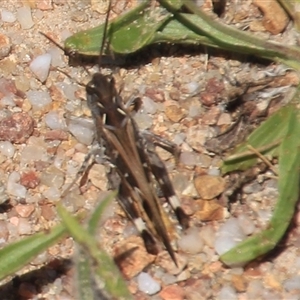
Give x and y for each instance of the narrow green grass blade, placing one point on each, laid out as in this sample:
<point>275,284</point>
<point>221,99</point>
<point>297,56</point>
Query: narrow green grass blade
<point>102,264</point>
<point>94,220</point>
<point>83,278</point>
<point>252,247</point>
<point>267,136</point>
<point>16,255</point>
<point>289,172</point>
<point>232,39</point>
<point>288,185</point>
<point>175,32</point>
<point>86,285</point>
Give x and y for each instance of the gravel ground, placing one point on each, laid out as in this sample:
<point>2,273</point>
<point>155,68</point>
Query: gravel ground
<point>188,97</point>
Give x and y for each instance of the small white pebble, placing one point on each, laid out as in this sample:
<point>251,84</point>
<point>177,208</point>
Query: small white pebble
<point>246,224</point>
<point>179,138</point>
<point>191,241</point>
<point>208,235</point>
<point>274,295</point>
<point>52,177</point>
<point>264,215</point>
<point>79,202</point>
<point>143,120</point>
<point>14,188</point>
<point>194,111</point>
<point>65,33</point>
<point>58,286</point>
<point>68,205</point>
<point>56,57</point>
<point>54,121</point>
<point>188,190</point>
<point>24,226</point>
<point>149,106</point>
<point>271,183</point>
<point>8,100</point>
<point>72,201</point>
<point>24,17</point>
<point>147,284</point>
<point>227,293</point>
<point>204,161</point>
<point>69,90</point>
<point>40,258</point>
<point>252,188</point>
<point>82,129</point>
<point>52,194</point>
<point>72,169</point>
<point>58,161</point>
<point>255,289</point>
<point>224,119</point>
<point>130,230</point>
<point>188,158</point>
<point>292,283</point>
<point>33,153</point>
<point>168,279</point>
<point>191,87</point>
<point>228,236</point>
<point>12,227</point>
<point>40,66</point>
<point>158,273</point>
<point>181,182</point>
<point>7,16</point>
<point>3,194</point>
<point>5,46</point>
<point>38,99</point>
<point>214,172</point>
<point>7,149</point>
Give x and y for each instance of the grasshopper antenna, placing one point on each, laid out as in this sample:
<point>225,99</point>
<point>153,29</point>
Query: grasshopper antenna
<point>69,54</point>
<point>106,32</point>
<point>53,42</point>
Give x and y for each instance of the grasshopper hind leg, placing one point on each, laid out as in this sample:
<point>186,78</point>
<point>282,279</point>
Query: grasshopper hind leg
<point>140,214</point>
<point>160,173</point>
<point>148,239</point>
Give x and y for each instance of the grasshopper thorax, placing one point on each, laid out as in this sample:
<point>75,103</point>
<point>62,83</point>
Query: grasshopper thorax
<point>104,100</point>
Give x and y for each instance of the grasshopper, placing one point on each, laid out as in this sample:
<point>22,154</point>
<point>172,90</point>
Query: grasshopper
<point>135,161</point>
<point>131,153</point>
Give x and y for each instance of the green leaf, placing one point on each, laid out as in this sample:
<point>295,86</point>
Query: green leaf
<point>16,255</point>
<point>145,25</point>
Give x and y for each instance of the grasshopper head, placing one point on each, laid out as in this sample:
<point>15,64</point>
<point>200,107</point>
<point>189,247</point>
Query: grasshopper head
<point>104,101</point>
<point>100,92</point>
